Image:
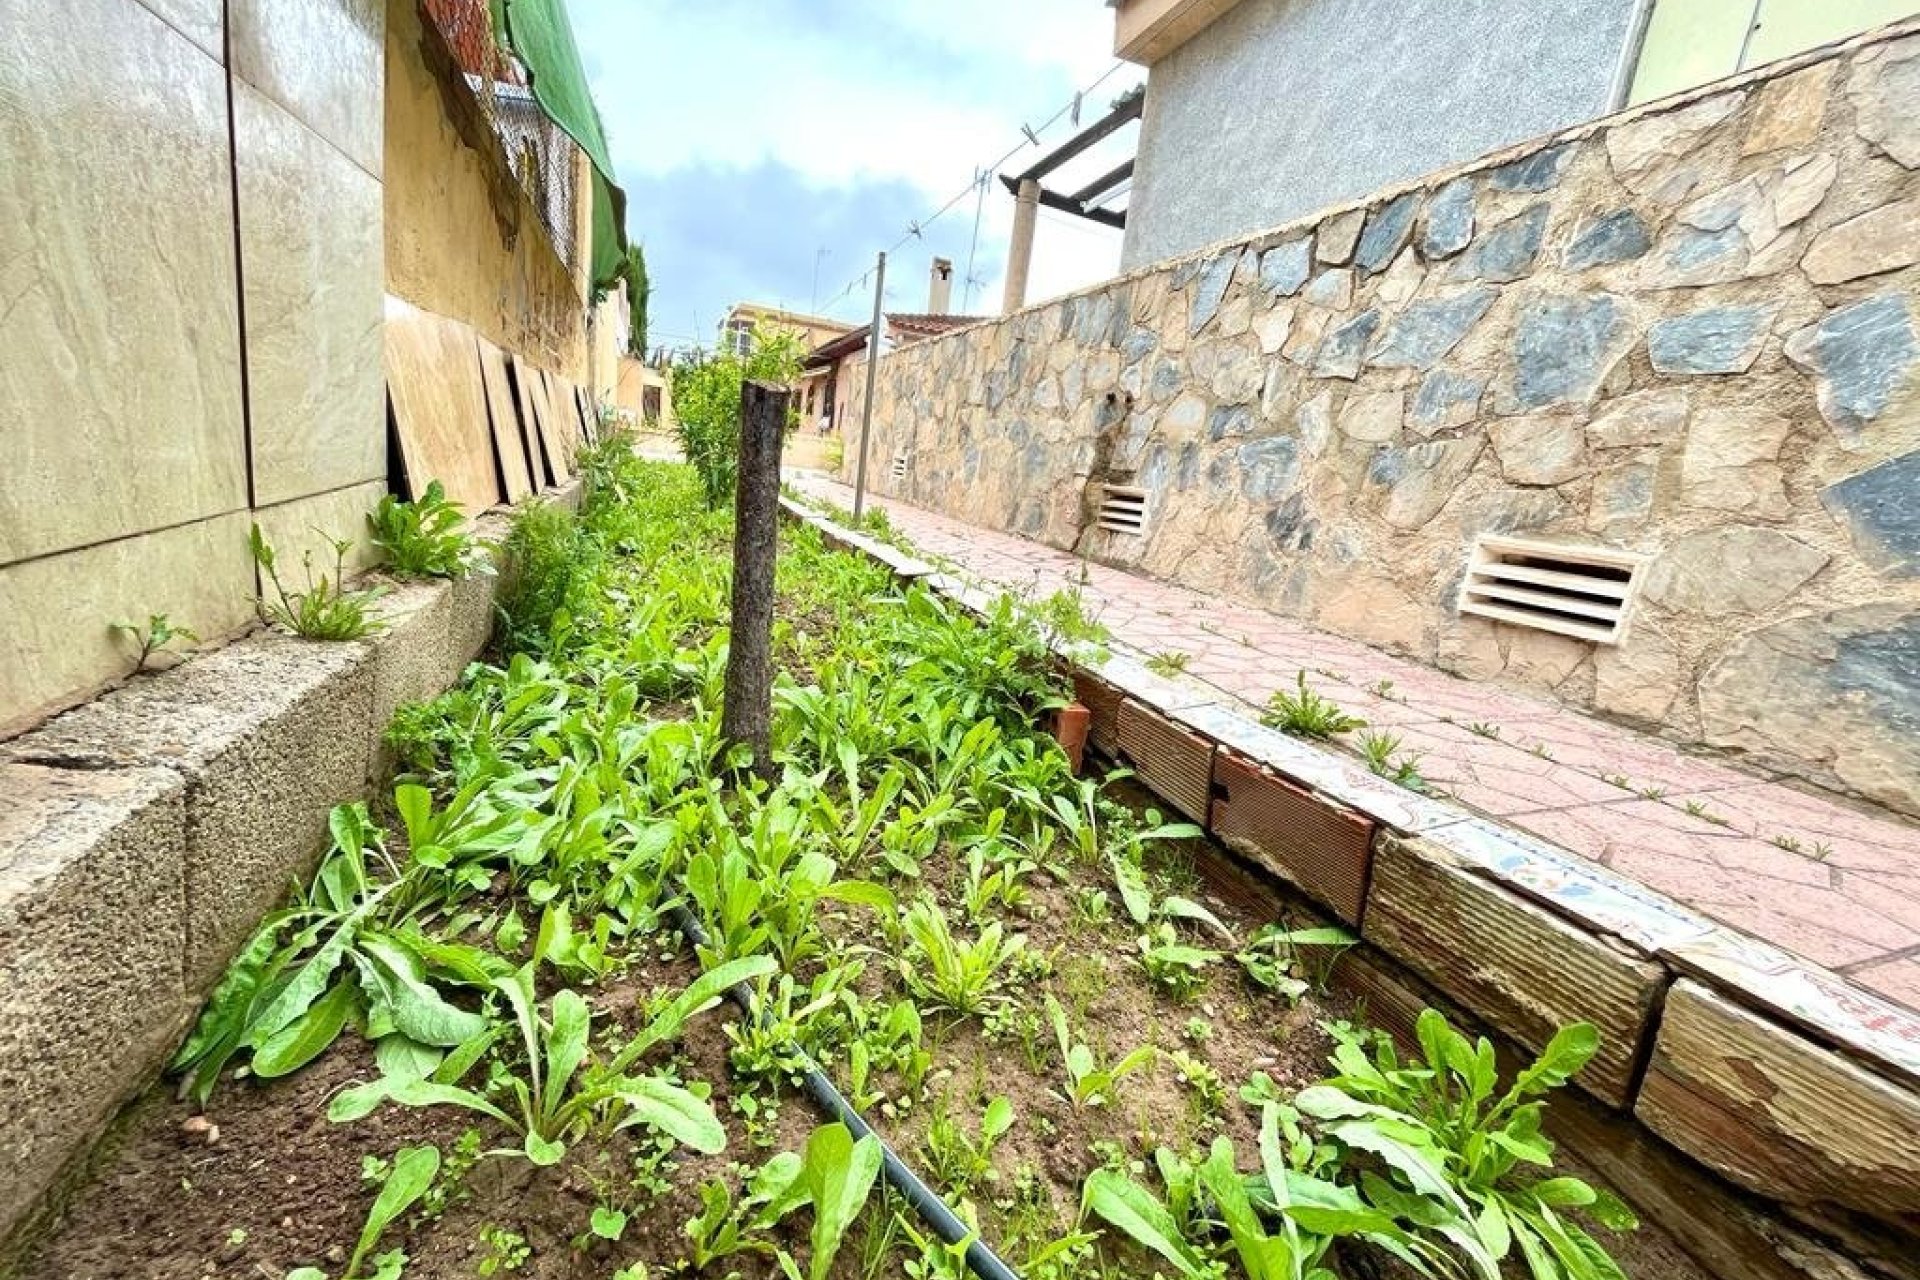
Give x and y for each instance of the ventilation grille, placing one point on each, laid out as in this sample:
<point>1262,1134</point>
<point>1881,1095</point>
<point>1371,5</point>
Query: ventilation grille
<point>1583,592</point>
<point>1123,509</point>
<point>900,466</point>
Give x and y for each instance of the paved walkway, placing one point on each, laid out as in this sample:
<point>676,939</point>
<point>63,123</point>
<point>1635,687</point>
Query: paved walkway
<point>1834,883</point>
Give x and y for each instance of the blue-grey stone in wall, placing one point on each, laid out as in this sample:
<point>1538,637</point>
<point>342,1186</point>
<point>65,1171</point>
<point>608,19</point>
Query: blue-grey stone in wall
<point>1537,172</point>
<point>1140,343</point>
<point>1449,220</point>
<point>1285,267</point>
<point>1153,469</point>
<point>1514,511</point>
<point>1505,252</point>
<point>1288,527</point>
<point>1695,257</point>
<point>996,389</point>
<point>1386,233</point>
<point>1212,287</point>
<point>1429,329</point>
<point>1883,667</point>
<point>1612,237</point>
<point>1092,319</point>
<point>1185,271</point>
<point>1341,350</point>
<point>1716,340</point>
<point>1268,468</point>
<point>1563,347</point>
<point>1166,379</point>
<point>1188,469</point>
<point>1229,420</point>
<point>1445,397</point>
<point>1882,506</point>
<point>1862,355</point>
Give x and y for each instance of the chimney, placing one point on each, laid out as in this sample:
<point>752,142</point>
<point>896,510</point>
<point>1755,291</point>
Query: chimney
<point>940,287</point>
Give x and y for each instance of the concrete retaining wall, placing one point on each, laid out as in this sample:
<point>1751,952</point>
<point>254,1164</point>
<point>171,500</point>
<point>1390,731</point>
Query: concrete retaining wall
<point>1719,1052</point>
<point>144,835</point>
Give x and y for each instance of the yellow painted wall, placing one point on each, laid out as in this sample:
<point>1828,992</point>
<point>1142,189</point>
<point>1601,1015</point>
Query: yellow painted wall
<point>1690,42</point>
<point>463,239</point>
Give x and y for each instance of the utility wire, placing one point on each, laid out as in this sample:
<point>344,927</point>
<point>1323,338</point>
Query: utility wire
<point>1030,137</point>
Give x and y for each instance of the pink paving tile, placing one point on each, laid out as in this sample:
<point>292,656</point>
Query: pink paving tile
<point>1606,752</point>
<point>1893,896</point>
<point>1898,980</point>
<point>1496,777</point>
<point>1826,828</point>
<point>1733,878</point>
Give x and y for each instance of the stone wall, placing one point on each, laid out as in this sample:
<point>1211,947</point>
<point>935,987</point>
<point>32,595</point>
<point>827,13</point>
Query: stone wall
<point>1690,331</point>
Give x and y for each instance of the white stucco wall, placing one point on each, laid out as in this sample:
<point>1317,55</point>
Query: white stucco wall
<point>1283,107</point>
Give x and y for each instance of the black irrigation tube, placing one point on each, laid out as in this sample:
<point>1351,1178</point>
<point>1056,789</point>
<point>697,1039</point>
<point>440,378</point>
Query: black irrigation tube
<point>935,1212</point>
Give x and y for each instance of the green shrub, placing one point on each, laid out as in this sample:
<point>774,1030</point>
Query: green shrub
<point>546,553</point>
<point>425,538</point>
<point>326,610</point>
<point>706,402</point>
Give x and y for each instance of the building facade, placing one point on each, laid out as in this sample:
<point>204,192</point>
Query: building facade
<point>1262,111</point>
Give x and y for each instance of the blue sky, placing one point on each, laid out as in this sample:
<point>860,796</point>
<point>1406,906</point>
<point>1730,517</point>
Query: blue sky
<point>751,135</point>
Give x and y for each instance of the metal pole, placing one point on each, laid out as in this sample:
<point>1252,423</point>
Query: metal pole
<point>866,410</point>
<point>1026,211</point>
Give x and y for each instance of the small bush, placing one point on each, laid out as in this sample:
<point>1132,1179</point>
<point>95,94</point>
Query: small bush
<point>423,539</point>
<point>1306,714</point>
<point>326,610</point>
<point>545,554</point>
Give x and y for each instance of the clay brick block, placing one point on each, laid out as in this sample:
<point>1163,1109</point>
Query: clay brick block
<point>1104,701</point>
<point>1779,1114</point>
<point>1525,971</point>
<point>269,734</point>
<point>1178,765</point>
<point>92,924</point>
<point>1309,841</point>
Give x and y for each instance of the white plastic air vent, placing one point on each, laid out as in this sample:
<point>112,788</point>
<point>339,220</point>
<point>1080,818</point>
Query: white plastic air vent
<point>1123,509</point>
<point>1583,592</point>
<point>899,466</point>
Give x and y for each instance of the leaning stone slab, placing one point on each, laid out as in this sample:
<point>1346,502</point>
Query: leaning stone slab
<point>269,734</point>
<point>91,929</point>
<point>1524,970</point>
<point>1778,1114</point>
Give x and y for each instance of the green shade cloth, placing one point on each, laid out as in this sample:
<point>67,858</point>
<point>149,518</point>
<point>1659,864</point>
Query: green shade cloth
<point>540,34</point>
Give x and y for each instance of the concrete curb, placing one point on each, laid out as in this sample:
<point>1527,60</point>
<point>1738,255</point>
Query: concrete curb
<point>143,835</point>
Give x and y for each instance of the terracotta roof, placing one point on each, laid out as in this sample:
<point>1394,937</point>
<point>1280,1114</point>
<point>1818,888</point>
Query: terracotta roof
<point>905,326</point>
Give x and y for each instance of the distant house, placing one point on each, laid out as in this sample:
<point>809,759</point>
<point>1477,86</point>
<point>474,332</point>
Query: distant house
<point>1261,111</point>
<point>736,335</point>
<point>840,364</point>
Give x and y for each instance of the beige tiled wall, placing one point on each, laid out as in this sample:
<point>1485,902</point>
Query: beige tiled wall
<point>128,477</point>
<point>310,249</point>
<point>120,372</point>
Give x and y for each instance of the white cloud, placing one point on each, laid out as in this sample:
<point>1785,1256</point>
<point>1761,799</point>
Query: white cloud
<point>854,92</point>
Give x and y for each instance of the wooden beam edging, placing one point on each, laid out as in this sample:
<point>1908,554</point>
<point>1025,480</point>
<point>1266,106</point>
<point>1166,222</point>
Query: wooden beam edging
<point>1510,899</point>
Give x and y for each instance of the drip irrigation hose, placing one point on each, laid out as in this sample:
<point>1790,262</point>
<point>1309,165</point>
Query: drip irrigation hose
<point>935,1212</point>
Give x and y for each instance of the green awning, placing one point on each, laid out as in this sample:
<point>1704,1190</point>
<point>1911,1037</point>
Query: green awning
<point>539,32</point>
